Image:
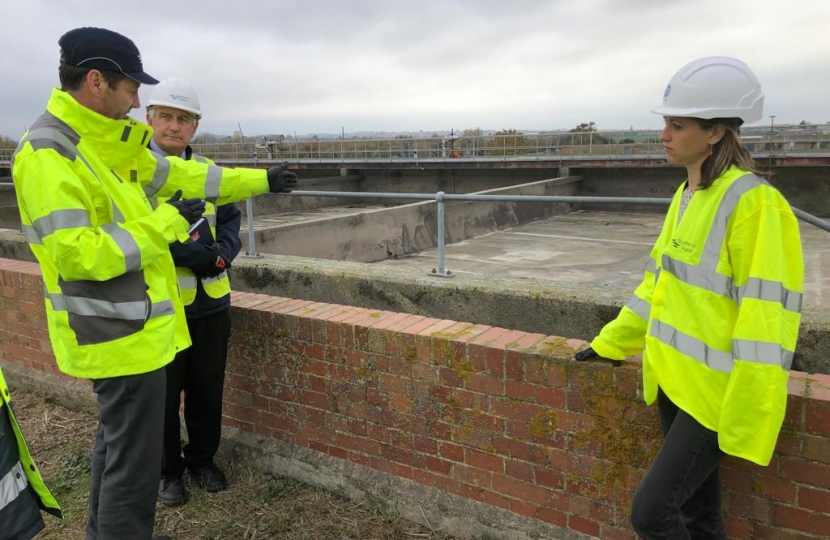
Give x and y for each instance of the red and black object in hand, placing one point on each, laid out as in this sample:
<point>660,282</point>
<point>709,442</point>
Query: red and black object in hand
<point>216,263</point>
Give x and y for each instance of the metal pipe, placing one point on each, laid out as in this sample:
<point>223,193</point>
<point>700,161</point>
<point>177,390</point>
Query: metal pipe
<point>497,198</point>
<point>439,198</point>
<point>811,219</point>
<point>804,216</point>
<point>252,253</point>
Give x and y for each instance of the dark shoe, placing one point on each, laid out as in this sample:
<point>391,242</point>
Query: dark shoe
<point>210,477</point>
<point>172,493</point>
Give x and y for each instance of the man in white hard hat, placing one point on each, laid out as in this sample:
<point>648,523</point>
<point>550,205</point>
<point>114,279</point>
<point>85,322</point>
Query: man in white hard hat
<point>174,111</point>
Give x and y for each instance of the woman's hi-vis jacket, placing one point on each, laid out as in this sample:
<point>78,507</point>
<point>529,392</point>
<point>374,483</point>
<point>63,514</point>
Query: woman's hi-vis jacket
<point>82,182</point>
<point>16,477</point>
<point>718,312</point>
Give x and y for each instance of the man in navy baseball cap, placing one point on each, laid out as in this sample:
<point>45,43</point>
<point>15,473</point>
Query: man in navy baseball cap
<point>105,50</point>
<point>83,174</point>
<point>82,150</point>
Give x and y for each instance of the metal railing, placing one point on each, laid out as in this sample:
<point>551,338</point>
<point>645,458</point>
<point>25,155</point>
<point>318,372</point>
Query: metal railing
<point>440,198</point>
<point>782,141</point>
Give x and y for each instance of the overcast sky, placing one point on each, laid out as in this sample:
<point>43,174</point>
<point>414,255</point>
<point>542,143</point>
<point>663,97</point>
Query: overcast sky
<point>311,66</point>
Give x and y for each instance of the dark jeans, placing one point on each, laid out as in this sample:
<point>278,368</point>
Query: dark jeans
<point>680,497</point>
<point>123,481</point>
<point>199,371</point>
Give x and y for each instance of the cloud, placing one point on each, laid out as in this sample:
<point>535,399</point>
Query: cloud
<point>296,66</point>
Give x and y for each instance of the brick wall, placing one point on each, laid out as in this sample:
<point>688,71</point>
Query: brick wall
<point>487,414</point>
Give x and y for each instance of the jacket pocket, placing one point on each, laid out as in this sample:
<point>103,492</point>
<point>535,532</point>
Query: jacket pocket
<point>104,311</point>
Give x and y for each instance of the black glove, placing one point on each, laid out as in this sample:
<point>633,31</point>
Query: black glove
<point>216,263</point>
<point>190,209</point>
<point>587,354</point>
<point>281,180</point>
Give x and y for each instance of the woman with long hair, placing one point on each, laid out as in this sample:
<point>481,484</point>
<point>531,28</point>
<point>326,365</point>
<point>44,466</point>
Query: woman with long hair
<point>718,312</point>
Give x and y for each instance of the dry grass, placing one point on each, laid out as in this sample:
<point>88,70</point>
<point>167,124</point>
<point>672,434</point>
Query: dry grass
<point>256,506</point>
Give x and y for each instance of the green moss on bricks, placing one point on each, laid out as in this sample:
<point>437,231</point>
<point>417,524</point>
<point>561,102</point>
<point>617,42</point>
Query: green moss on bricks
<point>464,369</point>
<point>557,349</point>
<point>444,351</point>
<point>544,424</point>
<point>463,429</point>
<point>445,354</point>
<point>454,403</point>
<point>259,359</point>
<point>411,354</point>
<point>624,447</point>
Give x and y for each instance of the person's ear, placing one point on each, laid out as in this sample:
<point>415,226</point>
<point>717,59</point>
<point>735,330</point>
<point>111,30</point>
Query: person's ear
<point>95,81</point>
<point>718,131</point>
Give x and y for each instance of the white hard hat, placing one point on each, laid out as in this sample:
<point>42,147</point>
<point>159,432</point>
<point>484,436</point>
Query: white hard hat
<point>714,87</point>
<point>176,93</point>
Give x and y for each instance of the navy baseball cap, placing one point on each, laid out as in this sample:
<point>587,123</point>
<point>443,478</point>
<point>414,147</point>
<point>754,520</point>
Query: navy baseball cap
<point>105,50</point>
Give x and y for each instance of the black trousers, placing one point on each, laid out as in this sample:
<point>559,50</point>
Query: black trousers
<point>680,497</point>
<point>199,372</point>
<point>122,482</point>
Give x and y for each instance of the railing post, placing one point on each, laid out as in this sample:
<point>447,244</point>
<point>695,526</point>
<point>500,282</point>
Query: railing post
<point>439,198</point>
<point>252,253</point>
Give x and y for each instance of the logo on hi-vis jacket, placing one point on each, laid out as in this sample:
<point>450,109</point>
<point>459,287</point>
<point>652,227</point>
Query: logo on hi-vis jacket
<point>683,245</point>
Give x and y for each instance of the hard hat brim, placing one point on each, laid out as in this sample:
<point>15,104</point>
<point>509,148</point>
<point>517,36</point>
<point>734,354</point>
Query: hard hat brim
<point>748,115</point>
<point>194,112</point>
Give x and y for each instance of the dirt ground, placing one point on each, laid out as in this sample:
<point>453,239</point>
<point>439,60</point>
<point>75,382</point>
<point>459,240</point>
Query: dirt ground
<point>256,506</point>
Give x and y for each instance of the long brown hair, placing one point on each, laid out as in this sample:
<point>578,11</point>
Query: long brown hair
<point>726,152</point>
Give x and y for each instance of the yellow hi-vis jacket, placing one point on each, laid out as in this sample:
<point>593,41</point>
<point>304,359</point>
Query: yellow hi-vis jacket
<point>82,182</point>
<point>21,474</point>
<point>718,312</point>
<point>214,287</point>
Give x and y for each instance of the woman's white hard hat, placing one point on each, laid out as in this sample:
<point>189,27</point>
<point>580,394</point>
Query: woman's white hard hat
<point>714,87</point>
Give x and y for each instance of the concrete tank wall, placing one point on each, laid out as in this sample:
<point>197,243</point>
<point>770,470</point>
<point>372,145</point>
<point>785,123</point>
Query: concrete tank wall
<point>455,180</point>
<point>391,232</point>
<point>280,204</point>
<point>807,188</point>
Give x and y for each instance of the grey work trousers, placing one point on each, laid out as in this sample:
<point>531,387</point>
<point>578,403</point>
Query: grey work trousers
<point>680,496</point>
<point>126,457</point>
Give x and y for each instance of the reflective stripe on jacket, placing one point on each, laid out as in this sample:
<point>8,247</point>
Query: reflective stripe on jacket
<point>718,312</point>
<point>16,477</point>
<point>82,182</point>
<point>215,288</point>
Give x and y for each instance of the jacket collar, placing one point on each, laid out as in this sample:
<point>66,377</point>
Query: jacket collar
<point>114,141</point>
